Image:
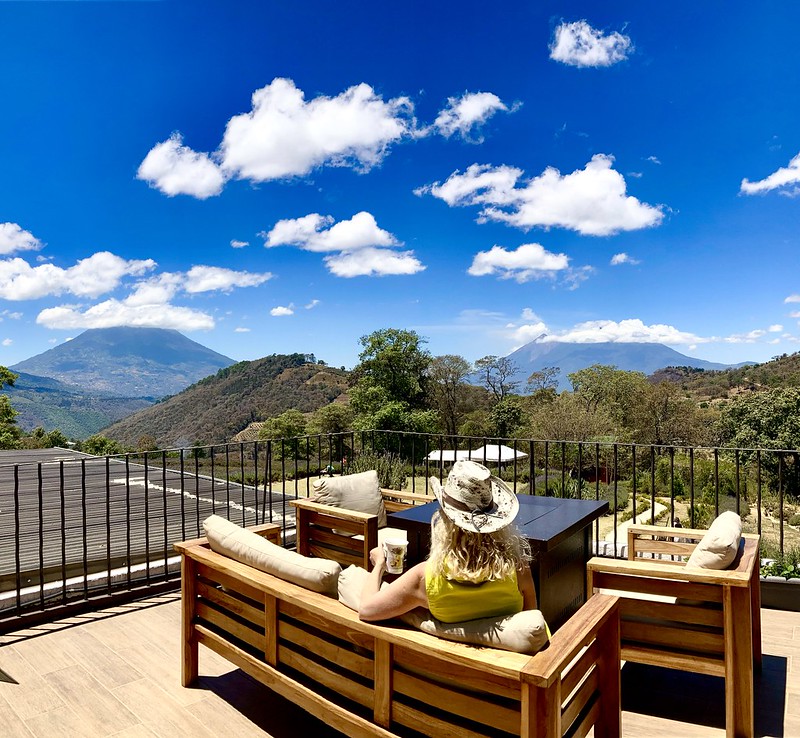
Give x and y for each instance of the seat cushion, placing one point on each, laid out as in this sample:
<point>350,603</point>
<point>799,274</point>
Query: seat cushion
<point>719,546</point>
<point>246,547</point>
<point>524,632</point>
<point>360,492</point>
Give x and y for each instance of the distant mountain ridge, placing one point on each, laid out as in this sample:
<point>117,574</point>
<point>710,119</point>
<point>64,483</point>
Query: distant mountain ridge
<point>127,362</point>
<point>50,404</point>
<point>571,357</point>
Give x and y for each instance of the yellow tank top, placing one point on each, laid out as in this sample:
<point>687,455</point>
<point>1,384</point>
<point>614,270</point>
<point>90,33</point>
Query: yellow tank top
<point>452,601</point>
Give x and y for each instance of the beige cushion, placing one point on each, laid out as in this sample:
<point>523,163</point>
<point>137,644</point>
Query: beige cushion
<point>359,492</point>
<point>719,546</point>
<point>524,632</point>
<point>240,544</point>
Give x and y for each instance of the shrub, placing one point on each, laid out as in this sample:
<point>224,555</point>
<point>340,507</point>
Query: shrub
<point>390,467</point>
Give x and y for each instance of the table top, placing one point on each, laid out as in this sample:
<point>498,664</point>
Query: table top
<point>544,521</point>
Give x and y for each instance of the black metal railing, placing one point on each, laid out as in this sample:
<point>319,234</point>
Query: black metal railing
<point>77,529</point>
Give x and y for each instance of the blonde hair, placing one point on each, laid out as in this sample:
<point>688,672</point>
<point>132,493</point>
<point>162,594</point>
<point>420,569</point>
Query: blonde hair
<point>475,557</point>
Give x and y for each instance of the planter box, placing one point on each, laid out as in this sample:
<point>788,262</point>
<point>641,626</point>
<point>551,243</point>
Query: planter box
<point>778,593</point>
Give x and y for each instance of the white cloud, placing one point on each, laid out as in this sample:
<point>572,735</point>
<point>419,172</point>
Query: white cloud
<point>623,258</point>
<point>285,136</point>
<point>13,239</point>
<point>241,330</point>
<point>282,310</point>
<point>631,330</point>
<point>528,261</point>
<point>175,169</point>
<point>14,315</point>
<point>209,278</point>
<point>579,45</point>
<point>748,337</point>
<point>776,328</point>
<point>795,314</point>
<point>356,247</point>
<point>315,232</point>
<point>785,180</point>
<point>653,160</point>
<point>90,277</point>
<point>113,313</point>
<point>239,244</point>
<point>7,342</point>
<point>373,262</point>
<point>312,304</point>
<point>591,201</point>
<point>463,114</point>
<point>792,298</point>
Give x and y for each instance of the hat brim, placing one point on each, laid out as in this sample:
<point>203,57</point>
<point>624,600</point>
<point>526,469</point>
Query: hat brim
<point>503,512</point>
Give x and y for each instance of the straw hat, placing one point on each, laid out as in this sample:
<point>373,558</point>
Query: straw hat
<point>474,499</point>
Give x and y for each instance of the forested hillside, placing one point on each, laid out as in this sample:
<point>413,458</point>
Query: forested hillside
<point>782,371</point>
<point>217,407</point>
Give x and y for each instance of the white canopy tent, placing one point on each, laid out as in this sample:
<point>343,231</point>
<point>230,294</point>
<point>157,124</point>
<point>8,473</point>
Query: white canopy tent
<point>446,455</point>
<point>497,453</point>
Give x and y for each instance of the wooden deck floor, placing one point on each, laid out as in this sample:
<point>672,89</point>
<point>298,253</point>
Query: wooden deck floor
<point>116,673</point>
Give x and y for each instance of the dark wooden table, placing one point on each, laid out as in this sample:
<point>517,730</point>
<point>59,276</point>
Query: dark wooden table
<point>560,533</point>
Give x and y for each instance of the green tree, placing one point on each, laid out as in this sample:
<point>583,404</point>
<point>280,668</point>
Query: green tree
<point>496,373</point>
<point>662,416</point>
<point>448,390</point>
<point>9,432</point>
<point>333,418</point>
<point>614,391</point>
<point>769,419</point>
<point>289,426</point>
<point>99,445</point>
<point>568,418</point>
<point>543,385</point>
<point>395,361</point>
<point>506,416</point>
<point>147,442</point>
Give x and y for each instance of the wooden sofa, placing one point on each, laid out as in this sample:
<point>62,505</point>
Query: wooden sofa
<point>699,620</point>
<point>346,536</point>
<point>385,680</point>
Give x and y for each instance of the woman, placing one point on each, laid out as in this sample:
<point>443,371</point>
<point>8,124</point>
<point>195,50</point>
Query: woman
<point>478,564</point>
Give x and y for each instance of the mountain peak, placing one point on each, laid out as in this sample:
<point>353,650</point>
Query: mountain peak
<point>571,357</point>
<point>127,361</point>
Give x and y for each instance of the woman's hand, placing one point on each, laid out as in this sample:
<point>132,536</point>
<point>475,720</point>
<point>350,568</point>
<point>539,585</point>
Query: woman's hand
<point>378,557</point>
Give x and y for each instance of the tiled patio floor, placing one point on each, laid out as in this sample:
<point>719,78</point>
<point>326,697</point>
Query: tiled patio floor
<point>116,673</point>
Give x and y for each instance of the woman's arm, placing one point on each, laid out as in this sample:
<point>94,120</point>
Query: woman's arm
<point>525,584</point>
<point>398,597</point>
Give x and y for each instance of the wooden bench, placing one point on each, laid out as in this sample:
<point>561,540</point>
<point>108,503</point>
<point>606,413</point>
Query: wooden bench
<point>699,620</point>
<point>345,535</point>
<point>391,680</point>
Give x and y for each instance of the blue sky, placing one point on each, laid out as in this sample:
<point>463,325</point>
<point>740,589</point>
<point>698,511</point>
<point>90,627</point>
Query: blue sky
<point>275,177</point>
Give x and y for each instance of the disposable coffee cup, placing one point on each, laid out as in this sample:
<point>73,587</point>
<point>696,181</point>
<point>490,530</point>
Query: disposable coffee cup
<point>395,551</point>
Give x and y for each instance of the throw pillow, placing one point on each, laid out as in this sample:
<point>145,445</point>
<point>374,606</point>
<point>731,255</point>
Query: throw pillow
<point>240,544</point>
<point>359,492</point>
<point>719,546</point>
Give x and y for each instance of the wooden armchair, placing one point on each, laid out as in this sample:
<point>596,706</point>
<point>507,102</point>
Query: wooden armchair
<point>347,536</point>
<point>699,620</point>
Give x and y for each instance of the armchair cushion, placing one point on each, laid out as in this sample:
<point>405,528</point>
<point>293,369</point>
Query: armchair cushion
<point>719,546</point>
<point>523,632</point>
<point>359,492</point>
<point>246,547</point>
